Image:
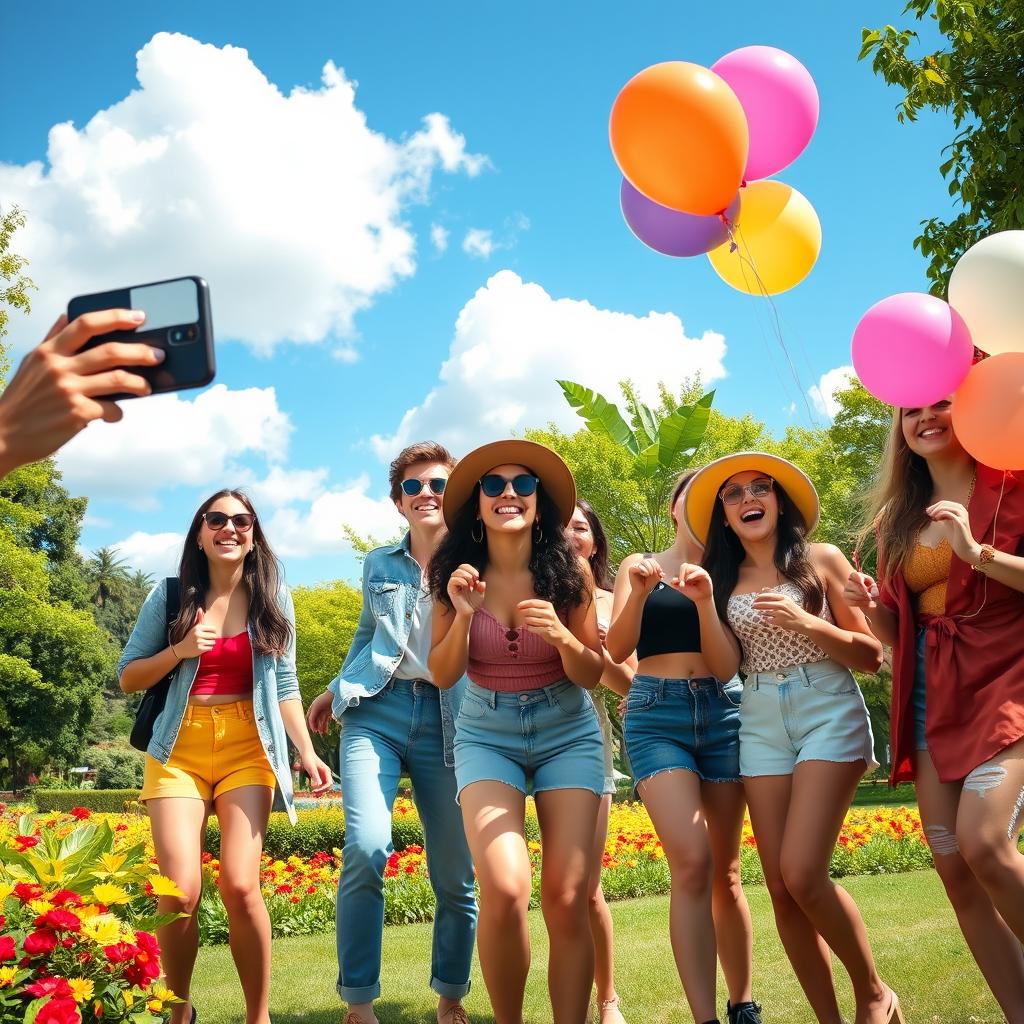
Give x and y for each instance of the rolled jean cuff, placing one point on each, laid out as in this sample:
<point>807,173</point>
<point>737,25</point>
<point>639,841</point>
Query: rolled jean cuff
<point>449,991</point>
<point>365,994</point>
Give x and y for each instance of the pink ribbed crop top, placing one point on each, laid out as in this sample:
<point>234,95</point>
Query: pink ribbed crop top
<point>507,659</point>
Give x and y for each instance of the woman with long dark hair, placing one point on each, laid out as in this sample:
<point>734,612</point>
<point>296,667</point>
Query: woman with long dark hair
<point>949,600</point>
<point>682,736</point>
<point>514,609</point>
<point>587,536</point>
<point>220,745</point>
<point>805,734</point>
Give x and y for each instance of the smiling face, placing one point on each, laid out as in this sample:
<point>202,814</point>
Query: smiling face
<point>508,512</point>
<point>928,431</point>
<point>423,508</point>
<point>581,537</point>
<point>752,518</point>
<point>228,545</point>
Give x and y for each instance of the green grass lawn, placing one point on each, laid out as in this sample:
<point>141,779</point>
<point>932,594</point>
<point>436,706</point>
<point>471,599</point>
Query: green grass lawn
<point>880,794</point>
<point>916,942</point>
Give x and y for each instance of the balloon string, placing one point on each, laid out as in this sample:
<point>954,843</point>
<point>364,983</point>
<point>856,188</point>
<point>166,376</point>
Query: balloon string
<point>776,322</point>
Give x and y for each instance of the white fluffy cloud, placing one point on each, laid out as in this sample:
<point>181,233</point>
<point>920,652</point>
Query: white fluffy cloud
<point>320,529</point>
<point>155,553</point>
<point>823,393</point>
<point>287,486</point>
<point>439,237</point>
<point>290,205</point>
<point>478,243</point>
<point>513,341</point>
<point>167,440</point>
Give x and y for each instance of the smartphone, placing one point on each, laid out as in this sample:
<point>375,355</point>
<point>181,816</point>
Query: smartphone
<point>177,320</point>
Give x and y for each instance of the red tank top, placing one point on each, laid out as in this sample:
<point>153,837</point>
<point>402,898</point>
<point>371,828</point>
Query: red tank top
<point>509,658</point>
<point>227,668</point>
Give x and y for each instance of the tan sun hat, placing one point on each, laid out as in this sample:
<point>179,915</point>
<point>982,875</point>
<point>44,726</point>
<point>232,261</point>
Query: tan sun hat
<point>554,474</point>
<point>702,491</point>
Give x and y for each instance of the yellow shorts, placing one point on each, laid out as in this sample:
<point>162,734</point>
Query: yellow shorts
<point>217,750</point>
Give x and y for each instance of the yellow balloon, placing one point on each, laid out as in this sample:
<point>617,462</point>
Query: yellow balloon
<point>777,238</point>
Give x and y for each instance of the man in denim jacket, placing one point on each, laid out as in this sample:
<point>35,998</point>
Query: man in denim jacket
<point>393,718</point>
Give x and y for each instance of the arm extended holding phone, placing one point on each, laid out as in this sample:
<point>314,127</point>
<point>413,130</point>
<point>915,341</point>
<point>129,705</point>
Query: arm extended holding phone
<point>112,345</point>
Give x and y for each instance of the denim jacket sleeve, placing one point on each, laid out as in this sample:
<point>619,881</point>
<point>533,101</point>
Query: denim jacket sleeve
<point>364,630</point>
<point>287,678</point>
<point>149,636</point>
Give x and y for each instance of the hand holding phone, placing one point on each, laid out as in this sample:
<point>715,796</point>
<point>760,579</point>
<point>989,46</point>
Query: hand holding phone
<point>58,389</point>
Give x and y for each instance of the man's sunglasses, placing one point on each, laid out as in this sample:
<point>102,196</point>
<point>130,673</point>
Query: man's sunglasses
<point>218,520</point>
<point>415,487</point>
<point>733,494</point>
<point>494,485</point>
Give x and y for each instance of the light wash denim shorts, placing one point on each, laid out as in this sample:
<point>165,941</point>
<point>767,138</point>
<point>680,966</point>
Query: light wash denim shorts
<point>918,694</point>
<point>683,723</point>
<point>532,740</point>
<point>797,713</point>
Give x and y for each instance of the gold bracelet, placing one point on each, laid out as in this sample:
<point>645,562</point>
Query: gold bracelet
<point>987,556</point>
<point>177,656</point>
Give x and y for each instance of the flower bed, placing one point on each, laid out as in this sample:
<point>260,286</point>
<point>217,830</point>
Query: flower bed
<point>300,889</point>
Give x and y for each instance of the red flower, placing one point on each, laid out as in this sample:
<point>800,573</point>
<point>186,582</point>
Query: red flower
<point>26,891</point>
<point>122,827</point>
<point>147,943</point>
<point>40,942</point>
<point>7,948</point>
<point>65,897</point>
<point>57,987</point>
<point>26,842</point>
<point>60,921</point>
<point>81,813</point>
<point>119,953</point>
<point>59,1011</point>
<point>283,887</point>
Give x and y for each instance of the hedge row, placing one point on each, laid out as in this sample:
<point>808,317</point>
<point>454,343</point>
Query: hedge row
<point>107,801</point>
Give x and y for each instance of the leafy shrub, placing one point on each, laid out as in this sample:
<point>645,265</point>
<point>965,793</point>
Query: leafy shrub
<point>117,765</point>
<point>109,801</point>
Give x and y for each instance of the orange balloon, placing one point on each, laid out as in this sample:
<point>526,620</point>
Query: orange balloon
<point>988,411</point>
<point>680,136</point>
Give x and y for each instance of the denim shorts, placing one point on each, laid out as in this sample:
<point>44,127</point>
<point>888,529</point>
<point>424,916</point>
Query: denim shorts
<point>917,695</point>
<point>683,723</point>
<point>532,740</point>
<point>812,712</point>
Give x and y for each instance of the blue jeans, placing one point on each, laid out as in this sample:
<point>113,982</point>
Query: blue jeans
<point>400,727</point>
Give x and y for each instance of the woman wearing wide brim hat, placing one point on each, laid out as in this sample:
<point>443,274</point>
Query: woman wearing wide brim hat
<point>514,610</point>
<point>805,734</point>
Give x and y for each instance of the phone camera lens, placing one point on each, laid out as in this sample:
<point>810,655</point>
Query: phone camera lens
<point>191,334</point>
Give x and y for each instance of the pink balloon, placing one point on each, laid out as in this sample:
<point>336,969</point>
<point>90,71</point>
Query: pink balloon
<point>779,97</point>
<point>912,349</point>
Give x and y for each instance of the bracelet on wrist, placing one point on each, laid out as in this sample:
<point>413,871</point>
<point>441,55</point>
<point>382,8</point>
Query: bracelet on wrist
<point>985,559</point>
<point>173,651</point>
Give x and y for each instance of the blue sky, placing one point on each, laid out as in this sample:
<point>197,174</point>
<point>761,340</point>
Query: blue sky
<point>320,217</point>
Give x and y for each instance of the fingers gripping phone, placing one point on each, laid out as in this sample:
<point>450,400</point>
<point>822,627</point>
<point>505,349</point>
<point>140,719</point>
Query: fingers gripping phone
<point>177,320</point>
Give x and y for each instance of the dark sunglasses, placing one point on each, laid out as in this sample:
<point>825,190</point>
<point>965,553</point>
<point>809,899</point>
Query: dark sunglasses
<point>415,487</point>
<point>218,520</point>
<point>733,494</point>
<point>494,485</point>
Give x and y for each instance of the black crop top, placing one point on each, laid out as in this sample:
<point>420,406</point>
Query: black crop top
<point>669,624</point>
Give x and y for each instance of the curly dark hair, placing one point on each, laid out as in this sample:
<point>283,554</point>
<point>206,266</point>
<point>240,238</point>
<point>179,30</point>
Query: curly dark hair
<point>554,564</point>
<point>724,553</point>
<point>599,556</point>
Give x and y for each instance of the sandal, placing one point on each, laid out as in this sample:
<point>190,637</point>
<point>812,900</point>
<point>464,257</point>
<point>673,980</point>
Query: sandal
<point>609,1013</point>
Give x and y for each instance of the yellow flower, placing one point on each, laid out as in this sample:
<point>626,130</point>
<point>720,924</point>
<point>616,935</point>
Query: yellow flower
<point>81,989</point>
<point>129,999</point>
<point>165,995</point>
<point>40,907</point>
<point>163,886</point>
<point>5,891</point>
<point>110,894</point>
<point>111,863</point>
<point>7,976</point>
<point>155,1005</point>
<point>103,929</point>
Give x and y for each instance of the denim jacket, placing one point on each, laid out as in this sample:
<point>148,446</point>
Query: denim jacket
<point>391,585</point>
<point>274,680</point>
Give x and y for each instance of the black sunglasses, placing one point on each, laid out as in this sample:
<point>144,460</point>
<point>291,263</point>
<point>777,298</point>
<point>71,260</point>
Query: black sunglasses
<point>415,487</point>
<point>494,485</point>
<point>218,520</point>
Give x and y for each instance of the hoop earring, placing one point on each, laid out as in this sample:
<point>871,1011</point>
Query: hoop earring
<point>538,533</point>
<point>472,532</point>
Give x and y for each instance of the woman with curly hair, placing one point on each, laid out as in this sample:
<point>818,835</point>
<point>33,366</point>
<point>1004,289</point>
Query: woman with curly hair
<point>514,609</point>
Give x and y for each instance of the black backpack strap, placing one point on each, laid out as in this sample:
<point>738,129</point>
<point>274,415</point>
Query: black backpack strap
<point>173,587</point>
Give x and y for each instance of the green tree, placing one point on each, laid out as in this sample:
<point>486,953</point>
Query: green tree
<point>14,285</point>
<point>107,576</point>
<point>977,76</point>
<point>325,622</point>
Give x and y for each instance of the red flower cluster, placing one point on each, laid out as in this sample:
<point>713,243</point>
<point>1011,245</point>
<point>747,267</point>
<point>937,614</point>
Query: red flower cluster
<point>7,947</point>
<point>26,891</point>
<point>25,842</point>
<point>59,1011</point>
<point>142,958</point>
<point>81,813</point>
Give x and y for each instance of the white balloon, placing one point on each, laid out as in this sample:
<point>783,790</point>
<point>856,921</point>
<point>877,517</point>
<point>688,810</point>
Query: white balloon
<point>987,289</point>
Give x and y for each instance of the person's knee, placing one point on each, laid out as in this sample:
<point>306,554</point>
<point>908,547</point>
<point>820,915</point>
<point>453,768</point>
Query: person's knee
<point>726,885</point>
<point>566,905</point>
<point>239,893</point>
<point>988,856</point>
<point>366,853</point>
<point>691,871</point>
<point>806,883</point>
<point>186,903</point>
<point>507,899</point>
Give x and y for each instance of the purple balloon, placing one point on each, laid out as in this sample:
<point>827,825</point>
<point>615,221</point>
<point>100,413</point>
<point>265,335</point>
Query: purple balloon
<point>671,232</point>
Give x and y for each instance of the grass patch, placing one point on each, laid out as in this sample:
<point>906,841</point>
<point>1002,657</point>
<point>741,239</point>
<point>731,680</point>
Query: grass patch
<point>881,794</point>
<point>917,945</point>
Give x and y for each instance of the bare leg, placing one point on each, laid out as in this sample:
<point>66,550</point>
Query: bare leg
<point>769,797</point>
<point>567,822</point>
<point>821,795</point>
<point>996,950</point>
<point>177,824</point>
<point>724,804</point>
<point>987,826</point>
<point>493,815</point>
<point>673,800</point>
<point>243,815</point>
<point>600,916</point>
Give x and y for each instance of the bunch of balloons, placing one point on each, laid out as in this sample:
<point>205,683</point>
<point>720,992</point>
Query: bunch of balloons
<point>693,144</point>
<point>912,350</point>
